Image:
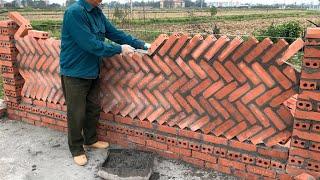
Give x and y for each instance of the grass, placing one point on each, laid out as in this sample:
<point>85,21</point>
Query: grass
<point>54,26</point>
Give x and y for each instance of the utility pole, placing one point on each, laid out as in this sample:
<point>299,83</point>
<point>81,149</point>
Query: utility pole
<point>131,7</point>
<point>201,3</point>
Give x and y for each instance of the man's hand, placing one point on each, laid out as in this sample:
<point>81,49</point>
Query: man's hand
<point>147,46</point>
<point>126,49</point>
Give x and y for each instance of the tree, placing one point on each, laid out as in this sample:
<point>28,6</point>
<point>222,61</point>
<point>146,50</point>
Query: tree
<point>201,3</point>
<point>189,3</point>
<point>213,11</point>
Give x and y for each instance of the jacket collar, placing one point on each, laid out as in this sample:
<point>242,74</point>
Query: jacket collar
<point>86,5</point>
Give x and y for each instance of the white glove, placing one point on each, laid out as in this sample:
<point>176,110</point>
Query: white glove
<point>147,46</point>
<point>126,49</point>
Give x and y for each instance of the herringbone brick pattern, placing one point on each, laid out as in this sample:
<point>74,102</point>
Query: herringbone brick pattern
<point>38,62</point>
<point>216,86</point>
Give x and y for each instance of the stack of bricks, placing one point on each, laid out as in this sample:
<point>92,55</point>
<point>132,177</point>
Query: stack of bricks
<point>12,81</point>
<point>30,69</point>
<point>218,103</point>
<point>305,143</point>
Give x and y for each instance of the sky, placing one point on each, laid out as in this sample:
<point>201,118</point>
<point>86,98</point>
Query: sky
<point>243,1</point>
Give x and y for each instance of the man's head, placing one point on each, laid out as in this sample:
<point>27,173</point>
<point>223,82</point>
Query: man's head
<point>94,3</point>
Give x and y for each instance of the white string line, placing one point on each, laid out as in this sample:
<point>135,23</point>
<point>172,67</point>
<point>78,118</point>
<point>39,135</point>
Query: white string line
<point>231,35</point>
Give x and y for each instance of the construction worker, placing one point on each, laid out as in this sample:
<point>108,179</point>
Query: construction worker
<point>83,45</point>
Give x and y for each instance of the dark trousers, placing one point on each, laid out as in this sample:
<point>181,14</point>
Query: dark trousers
<point>83,108</point>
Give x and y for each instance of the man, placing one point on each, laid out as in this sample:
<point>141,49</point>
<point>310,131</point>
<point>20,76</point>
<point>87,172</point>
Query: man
<point>82,47</point>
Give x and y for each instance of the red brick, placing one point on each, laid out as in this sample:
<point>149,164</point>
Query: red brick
<point>223,128</point>
<point>278,165</point>
<point>62,123</point>
<point>246,112</point>
<point>304,176</point>
<point>193,161</point>
<point>178,150</point>
<point>274,153</point>
<point>213,88</point>
<point>297,171</point>
<point>243,146</point>
<point>47,120</point>
<point>274,118</point>
<point>263,162</point>
<point>40,103</point>
<point>310,63</point>
<point>157,43</point>
<point>197,69</point>
<point>18,18</point>
<point>178,45</point>
<point>285,177</point>
<point>230,48</point>
<point>162,65</point>
<point>274,50</point>
<point>220,152</point>
<point>295,160</point>
<point>196,39</point>
<point>248,159</point>
<point>179,83</point>
<point>261,171</point>
<point>311,51</point>
<point>33,117</point>
<point>38,34</point>
<point>245,47</point>
<point>218,167</point>
<point>204,156</point>
<point>254,93</point>
<point>138,140</point>
<point>260,137</point>
<point>167,154</point>
<point>245,175</point>
<point>156,144</point>
<point>228,89</point>
<point>258,50</point>
<point>232,164</point>
<point>213,50</point>
<point>237,129</point>
<point>222,71</point>
<point>215,140</point>
<point>233,155</point>
<point>203,46</point>
<point>306,135</point>
<point>313,33</point>
<point>167,129</point>
<point>173,66</point>
<point>210,71</point>
<point>307,115</point>
<point>199,123</point>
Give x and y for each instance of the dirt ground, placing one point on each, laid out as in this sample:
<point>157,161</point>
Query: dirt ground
<point>34,153</point>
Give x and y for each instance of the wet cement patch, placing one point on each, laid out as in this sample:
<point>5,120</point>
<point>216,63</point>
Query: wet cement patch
<point>127,164</point>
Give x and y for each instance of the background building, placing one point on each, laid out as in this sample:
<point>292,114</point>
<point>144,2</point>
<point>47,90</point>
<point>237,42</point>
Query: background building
<point>172,4</point>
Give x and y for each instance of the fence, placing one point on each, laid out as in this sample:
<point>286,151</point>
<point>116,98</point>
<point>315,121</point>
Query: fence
<point>220,103</point>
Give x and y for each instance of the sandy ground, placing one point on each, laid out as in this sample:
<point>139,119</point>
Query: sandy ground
<point>34,153</point>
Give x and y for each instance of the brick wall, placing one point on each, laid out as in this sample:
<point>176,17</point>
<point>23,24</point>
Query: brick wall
<point>305,142</point>
<point>215,102</point>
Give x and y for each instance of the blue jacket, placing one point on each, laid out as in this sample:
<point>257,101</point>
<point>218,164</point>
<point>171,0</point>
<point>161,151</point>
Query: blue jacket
<point>83,45</point>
